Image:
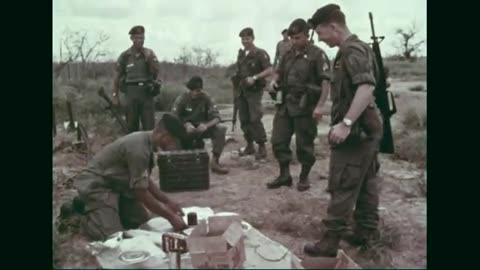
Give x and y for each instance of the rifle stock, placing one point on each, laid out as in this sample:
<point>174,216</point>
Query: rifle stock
<point>383,98</point>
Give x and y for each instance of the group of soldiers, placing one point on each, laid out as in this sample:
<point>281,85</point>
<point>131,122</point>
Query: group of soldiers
<point>115,188</point>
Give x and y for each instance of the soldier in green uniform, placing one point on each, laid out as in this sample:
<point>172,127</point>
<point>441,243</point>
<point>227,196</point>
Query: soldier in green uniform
<point>200,116</point>
<point>302,77</point>
<point>253,66</point>
<point>136,70</point>
<point>282,47</point>
<point>115,188</point>
<point>354,137</point>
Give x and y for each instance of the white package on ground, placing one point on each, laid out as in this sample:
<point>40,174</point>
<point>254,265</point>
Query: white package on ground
<point>260,251</point>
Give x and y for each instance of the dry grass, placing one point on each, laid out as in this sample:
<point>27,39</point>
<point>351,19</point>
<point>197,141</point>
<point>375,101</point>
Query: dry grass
<point>406,70</point>
<point>411,138</point>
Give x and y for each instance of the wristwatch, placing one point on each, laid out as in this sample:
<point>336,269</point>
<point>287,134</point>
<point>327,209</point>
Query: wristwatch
<point>347,122</point>
<point>254,77</point>
<point>114,94</point>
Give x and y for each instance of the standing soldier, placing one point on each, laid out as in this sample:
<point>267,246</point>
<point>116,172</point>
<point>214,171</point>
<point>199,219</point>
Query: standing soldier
<point>200,116</point>
<point>282,47</point>
<point>354,137</point>
<point>253,66</point>
<point>136,73</point>
<point>302,77</point>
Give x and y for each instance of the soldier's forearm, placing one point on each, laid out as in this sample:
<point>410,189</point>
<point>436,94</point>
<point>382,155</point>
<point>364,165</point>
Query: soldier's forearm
<point>275,76</point>
<point>363,97</point>
<point>213,122</point>
<point>116,84</point>
<point>157,193</point>
<point>265,73</point>
<point>150,202</point>
<point>324,94</point>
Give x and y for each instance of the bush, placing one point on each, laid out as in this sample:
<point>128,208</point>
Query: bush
<point>412,147</point>
<point>417,88</point>
<point>415,117</point>
<point>167,96</point>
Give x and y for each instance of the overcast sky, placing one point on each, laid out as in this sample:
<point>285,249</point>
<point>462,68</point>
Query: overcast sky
<point>173,24</point>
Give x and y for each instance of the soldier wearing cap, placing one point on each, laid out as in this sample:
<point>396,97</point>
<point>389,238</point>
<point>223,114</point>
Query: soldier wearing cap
<point>282,47</point>
<point>201,118</point>
<point>136,71</point>
<point>115,188</point>
<point>302,75</point>
<point>354,137</point>
<point>253,66</point>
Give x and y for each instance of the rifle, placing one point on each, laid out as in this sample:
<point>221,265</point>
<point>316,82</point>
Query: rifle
<point>383,98</point>
<point>113,109</point>
<point>71,123</point>
<point>311,93</point>
<point>54,126</point>
<point>236,82</point>
<point>311,36</point>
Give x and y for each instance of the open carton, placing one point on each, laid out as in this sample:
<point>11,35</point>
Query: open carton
<point>219,245</point>
<point>342,261</point>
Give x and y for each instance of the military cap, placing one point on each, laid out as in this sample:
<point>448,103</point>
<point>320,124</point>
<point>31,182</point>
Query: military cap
<point>323,14</point>
<point>246,32</point>
<point>195,82</point>
<point>172,124</point>
<point>138,29</point>
<point>284,31</point>
<point>298,26</point>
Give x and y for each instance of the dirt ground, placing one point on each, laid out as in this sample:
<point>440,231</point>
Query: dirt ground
<point>284,214</point>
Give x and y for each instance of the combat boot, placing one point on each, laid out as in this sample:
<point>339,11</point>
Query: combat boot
<point>216,167</point>
<point>71,208</point>
<point>78,205</point>
<point>327,246</point>
<point>249,150</point>
<point>284,179</point>
<point>304,183</point>
<point>262,152</point>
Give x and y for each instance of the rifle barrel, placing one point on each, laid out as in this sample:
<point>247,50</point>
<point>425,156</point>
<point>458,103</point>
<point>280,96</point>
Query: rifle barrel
<point>371,25</point>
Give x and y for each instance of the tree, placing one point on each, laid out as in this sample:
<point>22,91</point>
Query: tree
<point>79,46</point>
<point>406,43</point>
<point>204,58</point>
<point>184,59</point>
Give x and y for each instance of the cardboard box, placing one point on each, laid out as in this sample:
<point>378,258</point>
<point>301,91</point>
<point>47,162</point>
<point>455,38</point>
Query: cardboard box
<point>218,244</point>
<point>342,261</point>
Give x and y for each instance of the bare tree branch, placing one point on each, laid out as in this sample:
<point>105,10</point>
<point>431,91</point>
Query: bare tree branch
<point>406,44</point>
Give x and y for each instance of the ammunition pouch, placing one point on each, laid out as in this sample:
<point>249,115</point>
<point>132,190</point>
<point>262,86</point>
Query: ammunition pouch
<point>155,87</point>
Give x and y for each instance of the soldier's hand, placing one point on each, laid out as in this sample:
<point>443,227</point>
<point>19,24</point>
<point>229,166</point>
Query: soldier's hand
<point>339,133</point>
<point>317,113</point>
<point>272,86</point>
<point>202,127</point>
<point>250,80</point>
<point>175,208</point>
<point>189,127</point>
<point>115,100</point>
<point>178,223</point>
